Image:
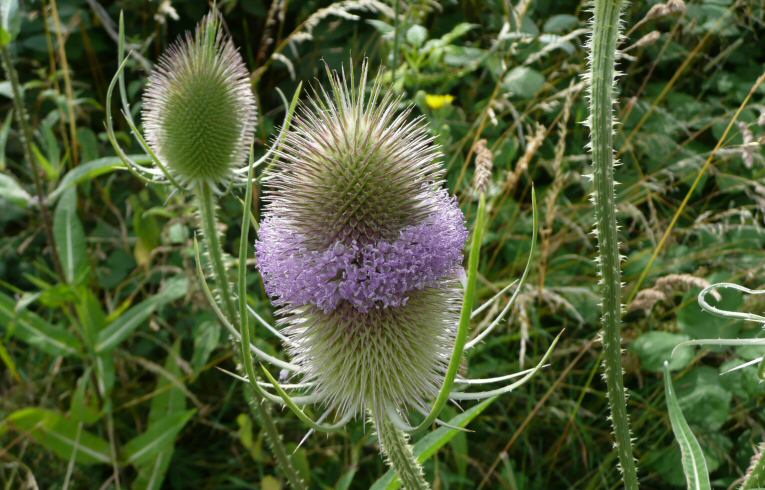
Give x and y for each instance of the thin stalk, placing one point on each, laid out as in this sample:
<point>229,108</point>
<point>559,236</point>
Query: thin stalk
<point>603,46</point>
<point>25,136</point>
<point>398,453</point>
<point>256,401</point>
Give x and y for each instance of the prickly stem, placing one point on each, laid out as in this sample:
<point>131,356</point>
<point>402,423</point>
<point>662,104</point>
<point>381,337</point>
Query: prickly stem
<point>259,409</point>
<point>603,45</point>
<point>394,444</point>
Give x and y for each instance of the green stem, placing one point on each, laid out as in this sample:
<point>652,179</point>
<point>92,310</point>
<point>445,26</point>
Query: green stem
<point>256,401</point>
<point>602,59</point>
<point>25,136</point>
<point>395,446</point>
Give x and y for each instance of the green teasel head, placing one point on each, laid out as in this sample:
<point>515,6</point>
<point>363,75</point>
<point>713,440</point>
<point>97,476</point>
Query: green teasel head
<point>198,109</point>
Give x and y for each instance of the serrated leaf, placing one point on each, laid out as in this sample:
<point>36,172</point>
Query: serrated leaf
<point>144,448</point>
<point>70,236</point>
<point>432,442</point>
<point>35,331</point>
<point>694,463</point>
<point>59,435</point>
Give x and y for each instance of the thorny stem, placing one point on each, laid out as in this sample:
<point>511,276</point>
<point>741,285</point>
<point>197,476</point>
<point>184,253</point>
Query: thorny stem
<point>25,136</point>
<point>256,401</point>
<point>602,59</point>
<point>394,444</point>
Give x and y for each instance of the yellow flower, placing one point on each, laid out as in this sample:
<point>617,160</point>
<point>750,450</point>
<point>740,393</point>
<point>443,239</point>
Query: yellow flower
<point>438,101</point>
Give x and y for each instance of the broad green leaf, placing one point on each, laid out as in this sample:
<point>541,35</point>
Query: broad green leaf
<point>91,170</point>
<point>34,330</point>
<point>694,463</point>
<point>653,348</point>
<point>125,324</point>
<point>704,400</point>
<point>59,435</point>
<point>560,23</point>
<point>10,190</point>
<point>151,475</point>
<point>432,442</point>
<point>523,82</point>
<point>5,356</point>
<point>144,448</point>
<point>10,21</point>
<point>70,236</point>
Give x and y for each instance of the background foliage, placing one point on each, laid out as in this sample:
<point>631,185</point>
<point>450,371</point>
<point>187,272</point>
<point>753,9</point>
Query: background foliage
<point>118,349</point>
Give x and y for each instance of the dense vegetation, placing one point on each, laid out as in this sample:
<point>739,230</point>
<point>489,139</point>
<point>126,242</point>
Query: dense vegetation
<point>108,339</point>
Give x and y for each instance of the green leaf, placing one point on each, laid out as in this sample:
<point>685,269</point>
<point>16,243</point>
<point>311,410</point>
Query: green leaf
<point>700,325</point>
<point>10,21</point>
<point>432,442</point>
<point>704,400</point>
<point>10,190</point>
<point>70,237</point>
<point>35,331</point>
<point>523,82</point>
<point>560,23</point>
<point>694,463</point>
<point>144,448</point>
<point>59,435</point>
<point>91,170</point>
<point>4,130</point>
<point>125,324</point>
<point>84,408</point>
<point>653,348</point>
<point>91,316</point>
<point>416,35</point>
<point>206,338</point>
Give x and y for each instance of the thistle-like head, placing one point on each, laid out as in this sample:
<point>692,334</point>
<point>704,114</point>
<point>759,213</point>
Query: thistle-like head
<point>198,108</point>
<point>360,246</point>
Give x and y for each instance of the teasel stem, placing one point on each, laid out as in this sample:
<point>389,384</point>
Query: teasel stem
<point>394,444</point>
<point>206,203</point>
<point>25,135</point>
<point>603,46</point>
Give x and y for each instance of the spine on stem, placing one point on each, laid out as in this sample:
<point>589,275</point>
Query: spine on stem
<point>602,46</point>
<point>394,444</point>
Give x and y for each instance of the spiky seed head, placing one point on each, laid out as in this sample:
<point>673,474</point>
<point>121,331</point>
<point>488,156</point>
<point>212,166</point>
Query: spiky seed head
<point>360,246</point>
<point>198,108</point>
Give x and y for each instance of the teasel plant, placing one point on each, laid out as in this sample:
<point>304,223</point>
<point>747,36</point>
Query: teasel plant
<point>199,117</point>
<point>602,46</point>
<point>693,460</point>
<point>360,248</point>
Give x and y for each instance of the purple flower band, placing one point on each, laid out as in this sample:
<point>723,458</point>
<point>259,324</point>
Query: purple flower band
<point>367,276</point>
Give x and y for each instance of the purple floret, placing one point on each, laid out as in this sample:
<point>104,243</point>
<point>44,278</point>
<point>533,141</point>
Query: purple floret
<point>367,276</point>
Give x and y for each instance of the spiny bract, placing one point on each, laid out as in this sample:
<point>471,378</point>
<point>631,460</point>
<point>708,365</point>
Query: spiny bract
<point>198,108</point>
<point>360,247</point>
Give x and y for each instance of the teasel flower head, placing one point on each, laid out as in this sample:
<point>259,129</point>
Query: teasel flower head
<point>198,108</point>
<point>360,248</point>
